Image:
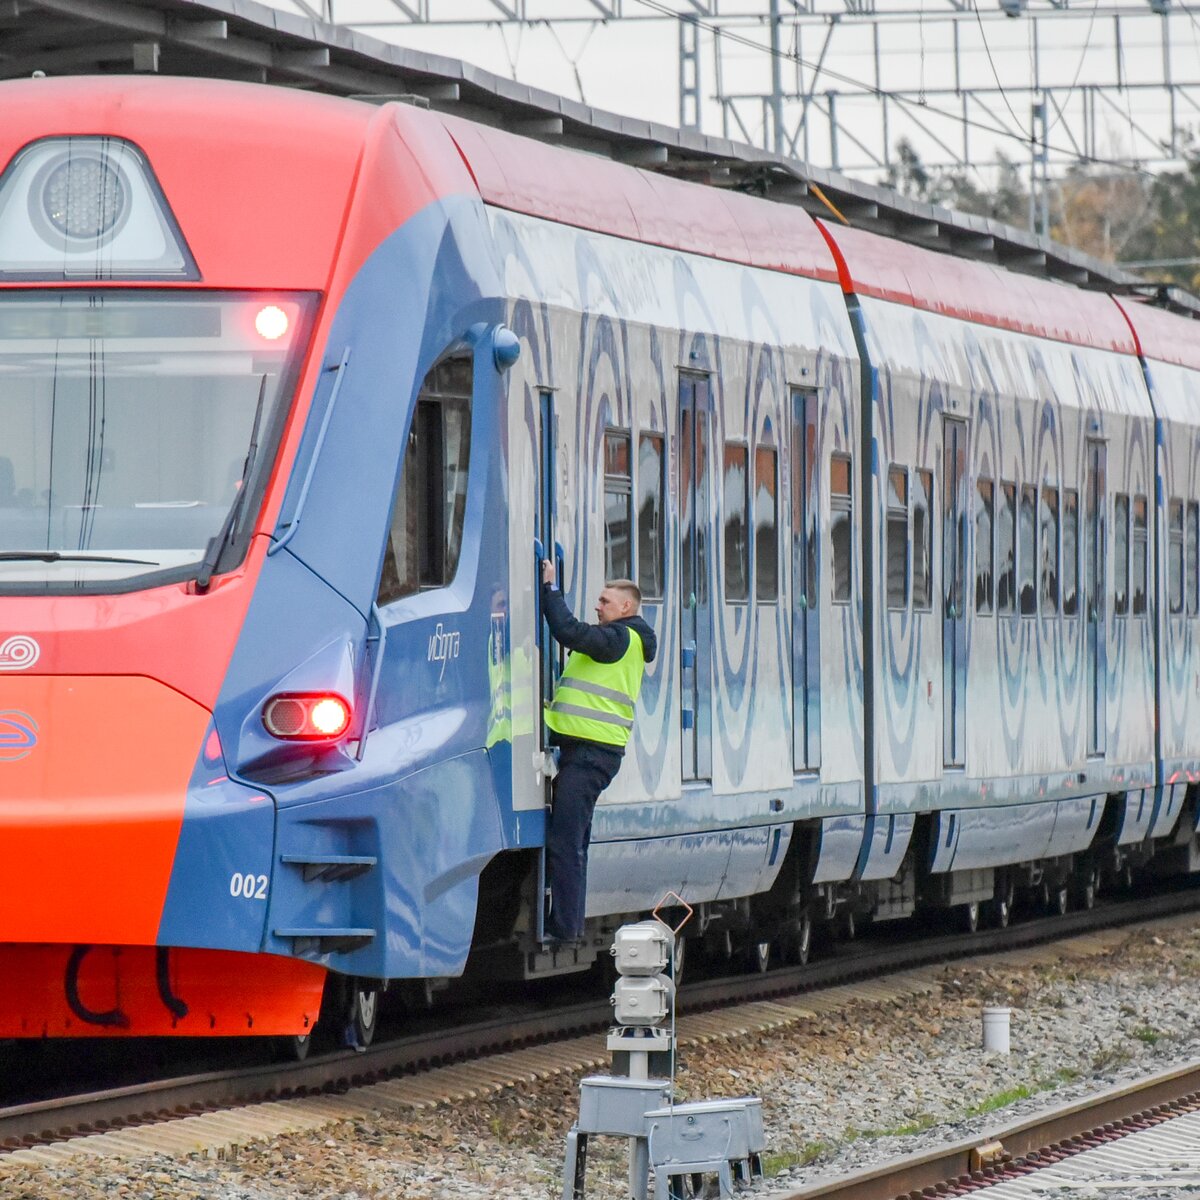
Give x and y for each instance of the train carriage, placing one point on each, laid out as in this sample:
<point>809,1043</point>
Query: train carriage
<point>681,393</point>
<point>1170,360</point>
<point>995,402</point>
<point>298,391</point>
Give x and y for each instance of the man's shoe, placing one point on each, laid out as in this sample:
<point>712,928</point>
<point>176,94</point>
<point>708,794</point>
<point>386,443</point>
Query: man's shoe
<point>551,941</point>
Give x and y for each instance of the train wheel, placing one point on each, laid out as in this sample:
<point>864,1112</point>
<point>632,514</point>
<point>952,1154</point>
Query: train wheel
<point>797,940</point>
<point>363,1014</point>
<point>1087,891</point>
<point>1000,909</point>
<point>848,926</point>
<point>293,1049</point>
<point>678,965</point>
<point>969,917</point>
<point>760,956</point>
<point>1061,899</point>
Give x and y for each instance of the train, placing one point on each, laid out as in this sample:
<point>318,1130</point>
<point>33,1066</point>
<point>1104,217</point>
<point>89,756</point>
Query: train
<point>299,390</point>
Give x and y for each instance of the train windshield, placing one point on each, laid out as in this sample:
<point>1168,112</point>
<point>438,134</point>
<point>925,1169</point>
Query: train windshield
<point>138,430</point>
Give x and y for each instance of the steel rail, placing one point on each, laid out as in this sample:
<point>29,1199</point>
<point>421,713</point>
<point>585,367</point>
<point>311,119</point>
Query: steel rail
<point>1020,1147</point>
<point>145,1103</point>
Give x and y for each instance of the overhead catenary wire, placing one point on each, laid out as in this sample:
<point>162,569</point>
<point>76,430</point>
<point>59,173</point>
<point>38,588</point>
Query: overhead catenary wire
<point>869,89</point>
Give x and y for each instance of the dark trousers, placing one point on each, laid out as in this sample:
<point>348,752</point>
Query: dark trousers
<point>585,769</point>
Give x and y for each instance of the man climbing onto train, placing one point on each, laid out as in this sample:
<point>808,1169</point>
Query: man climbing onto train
<point>590,719</point>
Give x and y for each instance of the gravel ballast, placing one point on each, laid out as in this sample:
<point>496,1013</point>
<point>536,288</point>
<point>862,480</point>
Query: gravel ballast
<point>840,1092</point>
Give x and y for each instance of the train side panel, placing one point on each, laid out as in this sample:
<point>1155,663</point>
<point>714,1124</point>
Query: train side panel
<point>610,327</point>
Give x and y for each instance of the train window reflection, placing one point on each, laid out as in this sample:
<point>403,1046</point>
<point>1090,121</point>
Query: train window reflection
<point>1175,555</point>
<point>840,525</point>
<point>1193,558</point>
<point>1120,555</point>
<point>1070,558</point>
<point>984,549</point>
<point>897,538</point>
<point>1139,556</point>
<point>618,503</point>
<point>766,524</point>
<point>138,429</point>
<point>1006,551</point>
<point>737,539</point>
<point>1048,582</point>
<point>1027,544</point>
<point>922,503</point>
<point>430,505</point>
<point>651,534</point>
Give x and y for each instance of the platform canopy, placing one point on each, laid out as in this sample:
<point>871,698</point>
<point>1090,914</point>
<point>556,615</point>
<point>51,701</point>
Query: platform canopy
<point>243,40</point>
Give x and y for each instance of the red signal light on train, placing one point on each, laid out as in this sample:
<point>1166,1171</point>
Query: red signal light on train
<point>271,322</point>
<point>309,717</point>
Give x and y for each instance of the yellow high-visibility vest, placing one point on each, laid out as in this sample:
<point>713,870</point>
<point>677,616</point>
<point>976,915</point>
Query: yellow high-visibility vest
<point>594,700</point>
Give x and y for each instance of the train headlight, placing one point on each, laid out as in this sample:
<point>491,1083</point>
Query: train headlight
<point>82,196</point>
<point>87,208</point>
<point>306,717</point>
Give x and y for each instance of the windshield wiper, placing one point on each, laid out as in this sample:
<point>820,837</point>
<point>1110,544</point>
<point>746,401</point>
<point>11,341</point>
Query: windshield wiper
<point>225,534</point>
<point>50,556</point>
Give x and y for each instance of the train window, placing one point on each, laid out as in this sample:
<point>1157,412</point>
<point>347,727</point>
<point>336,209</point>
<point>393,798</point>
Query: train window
<point>618,504</point>
<point>1027,550</point>
<point>922,571</point>
<point>652,463</point>
<point>1175,555</point>
<point>1006,550</point>
<point>1048,532</point>
<point>897,538</point>
<point>840,501</point>
<point>1120,555</point>
<point>806,505</point>
<point>430,505</point>
<point>766,524</point>
<point>1139,556</point>
<point>985,550</point>
<point>1070,559</point>
<point>737,538</point>
<point>1193,558</point>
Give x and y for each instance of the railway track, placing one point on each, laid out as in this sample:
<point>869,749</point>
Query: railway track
<point>44,1122</point>
<point>1000,1165</point>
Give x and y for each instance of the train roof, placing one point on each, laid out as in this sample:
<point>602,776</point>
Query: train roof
<point>1164,336</point>
<point>606,197</point>
<point>980,292</point>
<point>245,40</point>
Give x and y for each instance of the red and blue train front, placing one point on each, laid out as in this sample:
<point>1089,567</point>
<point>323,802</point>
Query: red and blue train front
<point>224,767</point>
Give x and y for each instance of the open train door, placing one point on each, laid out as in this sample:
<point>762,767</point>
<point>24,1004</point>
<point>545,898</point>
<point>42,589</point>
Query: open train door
<point>954,613</point>
<point>550,654</point>
<point>1094,590</point>
<point>695,560</point>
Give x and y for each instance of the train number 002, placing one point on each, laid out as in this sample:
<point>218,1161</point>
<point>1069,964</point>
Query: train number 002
<point>251,887</point>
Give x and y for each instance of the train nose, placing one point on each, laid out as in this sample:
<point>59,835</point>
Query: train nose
<point>93,782</point>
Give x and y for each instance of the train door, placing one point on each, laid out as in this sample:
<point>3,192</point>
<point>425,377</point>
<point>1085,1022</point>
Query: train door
<point>695,549</point>
<point>806,609</point>
<point>1094,587</point>
<point>954,616</point>
<point>550,654</point>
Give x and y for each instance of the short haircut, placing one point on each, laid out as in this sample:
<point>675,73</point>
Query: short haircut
<point>629,588</point>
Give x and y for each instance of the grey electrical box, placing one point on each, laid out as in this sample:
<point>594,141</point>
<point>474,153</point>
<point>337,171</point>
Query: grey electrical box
<point>643,948</point>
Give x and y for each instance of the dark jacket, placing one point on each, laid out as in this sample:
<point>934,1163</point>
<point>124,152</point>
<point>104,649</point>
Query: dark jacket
<point>604,643</point>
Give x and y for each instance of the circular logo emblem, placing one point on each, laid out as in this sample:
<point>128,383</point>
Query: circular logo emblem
<point>18,735</point>
<point>18,652</point>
